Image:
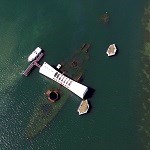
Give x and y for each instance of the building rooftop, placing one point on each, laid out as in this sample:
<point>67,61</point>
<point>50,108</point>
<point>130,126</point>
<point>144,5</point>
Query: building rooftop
<point>75,87</point>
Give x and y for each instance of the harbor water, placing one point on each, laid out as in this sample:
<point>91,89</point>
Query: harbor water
<point>119,114</point>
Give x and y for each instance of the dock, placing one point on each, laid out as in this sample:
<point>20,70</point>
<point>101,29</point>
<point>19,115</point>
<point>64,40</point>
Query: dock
<point>111,50</point>
<point>84,107</point>
<point>33,65</point>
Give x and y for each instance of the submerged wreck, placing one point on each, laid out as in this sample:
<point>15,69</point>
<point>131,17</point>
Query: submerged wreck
<point>66,74</point>
<point>105,18</point>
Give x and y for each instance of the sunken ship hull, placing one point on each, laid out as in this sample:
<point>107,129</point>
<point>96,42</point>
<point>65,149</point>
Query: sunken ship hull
<point>46,110</point>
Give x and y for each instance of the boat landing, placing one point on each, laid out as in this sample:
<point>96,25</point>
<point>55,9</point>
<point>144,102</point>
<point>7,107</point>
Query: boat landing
<point>33,65</point>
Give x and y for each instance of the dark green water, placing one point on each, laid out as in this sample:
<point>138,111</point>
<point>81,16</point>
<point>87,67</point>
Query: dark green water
<point>60,27</point>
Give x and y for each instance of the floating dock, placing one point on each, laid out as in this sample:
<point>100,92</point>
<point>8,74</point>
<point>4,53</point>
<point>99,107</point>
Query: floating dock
<point>33,65</point>
<point>85,47</point>
<point>111,50</point>
<point>84,107</point>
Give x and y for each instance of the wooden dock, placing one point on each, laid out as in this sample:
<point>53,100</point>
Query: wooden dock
<point>33,65</point>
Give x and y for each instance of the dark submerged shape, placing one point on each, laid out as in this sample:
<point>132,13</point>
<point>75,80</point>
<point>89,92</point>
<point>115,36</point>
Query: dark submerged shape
<point>53,95</point>
<point>47,109</point>
<point>105,18</point>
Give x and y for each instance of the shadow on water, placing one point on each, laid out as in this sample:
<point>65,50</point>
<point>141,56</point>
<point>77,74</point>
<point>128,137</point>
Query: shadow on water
<point>90,107</point>
<point>117,52</point>
<point>89,93</point>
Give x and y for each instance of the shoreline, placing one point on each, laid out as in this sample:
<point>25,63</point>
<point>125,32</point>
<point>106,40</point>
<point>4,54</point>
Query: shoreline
<point>144,78</point>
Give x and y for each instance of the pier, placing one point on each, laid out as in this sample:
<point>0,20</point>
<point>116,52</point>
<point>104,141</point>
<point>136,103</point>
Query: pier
<point>84,107</point>
<point>33,65</point>
<point>111,50</point>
